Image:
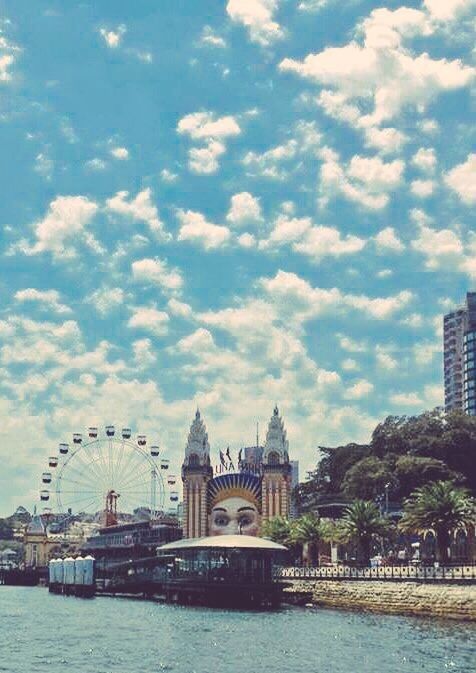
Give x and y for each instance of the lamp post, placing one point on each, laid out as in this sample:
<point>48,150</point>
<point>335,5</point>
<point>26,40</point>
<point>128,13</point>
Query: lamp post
<point>387,486</point>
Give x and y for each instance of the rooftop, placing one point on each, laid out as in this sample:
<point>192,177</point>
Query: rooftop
<point>224,542</point>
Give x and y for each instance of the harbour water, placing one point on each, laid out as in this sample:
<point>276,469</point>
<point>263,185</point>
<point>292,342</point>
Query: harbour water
<point>41,632</point>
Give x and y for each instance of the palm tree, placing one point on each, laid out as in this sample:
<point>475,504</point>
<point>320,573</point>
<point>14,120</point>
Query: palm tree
<point>362,523</point>
<point>308,530</point>
<point>277,529</point>
<point>441,507</point>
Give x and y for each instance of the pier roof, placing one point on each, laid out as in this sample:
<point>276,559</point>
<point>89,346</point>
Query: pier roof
<point>224,542</point>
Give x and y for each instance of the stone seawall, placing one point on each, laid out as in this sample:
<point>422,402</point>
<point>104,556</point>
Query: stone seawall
<point>408,598</point>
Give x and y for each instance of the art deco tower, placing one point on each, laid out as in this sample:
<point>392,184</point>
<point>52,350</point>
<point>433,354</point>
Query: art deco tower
<point>276,486</point>
<point>196,473</point>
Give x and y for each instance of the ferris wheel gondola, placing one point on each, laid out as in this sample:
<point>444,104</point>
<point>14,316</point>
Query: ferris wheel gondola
<point>84,476</point>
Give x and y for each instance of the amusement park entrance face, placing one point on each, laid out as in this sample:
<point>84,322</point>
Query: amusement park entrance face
<point>233,516</point>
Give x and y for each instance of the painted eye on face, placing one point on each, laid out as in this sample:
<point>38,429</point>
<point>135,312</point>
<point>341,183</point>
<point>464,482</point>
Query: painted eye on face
<point>245,520</point>
<point>221,520</point>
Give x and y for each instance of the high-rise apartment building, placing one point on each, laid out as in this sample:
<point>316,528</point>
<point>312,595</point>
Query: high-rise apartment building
<point>459,335</point>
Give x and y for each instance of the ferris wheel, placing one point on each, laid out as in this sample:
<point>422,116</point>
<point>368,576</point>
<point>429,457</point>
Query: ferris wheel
<point>112,475</point>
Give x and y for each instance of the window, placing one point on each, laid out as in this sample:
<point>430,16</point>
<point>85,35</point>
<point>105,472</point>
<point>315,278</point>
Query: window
<point>273,458</point>
<point>194,460</point>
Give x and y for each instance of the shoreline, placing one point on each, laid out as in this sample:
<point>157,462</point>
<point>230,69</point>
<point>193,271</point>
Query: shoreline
<point>448,601</point>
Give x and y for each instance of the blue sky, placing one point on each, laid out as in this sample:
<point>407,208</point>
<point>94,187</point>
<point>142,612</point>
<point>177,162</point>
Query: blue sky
<point>228,204</point>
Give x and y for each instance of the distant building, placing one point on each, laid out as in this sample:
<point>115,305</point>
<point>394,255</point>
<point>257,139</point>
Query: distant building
<point>39,546</point>
<point>134,540</point>
<point>459,342</point>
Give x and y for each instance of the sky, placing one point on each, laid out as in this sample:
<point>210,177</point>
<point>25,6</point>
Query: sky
<point>228,204</point>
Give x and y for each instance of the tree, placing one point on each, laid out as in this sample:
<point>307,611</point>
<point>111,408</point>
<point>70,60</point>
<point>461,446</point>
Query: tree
<point>6,531</point>
<point>308,530</point>
<point>367,478</point>
<point>277,529</point>
<point>362,523</point>
<point>441,507</point>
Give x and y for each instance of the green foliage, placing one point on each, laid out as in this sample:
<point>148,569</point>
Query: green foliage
<point>404,452</point>
<point>6,530</point>
<point>278,530</point>
<point>362,523</point>
<point>439,506</point>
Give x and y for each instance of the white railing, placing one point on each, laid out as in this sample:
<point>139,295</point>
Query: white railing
<point>403,572</point>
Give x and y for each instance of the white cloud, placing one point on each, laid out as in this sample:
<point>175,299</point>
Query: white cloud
<point>64,224</point>
<point>120,153</point>
<point>359,390</point>
<point>425,159</point>
<point>141,208</point>
<point>422,188</point>
<point>289,289</point>
<point>406,400</point>
<point>179,308</point>
<point>144,355</point>
<point>49,299</point>
<point>269,163</point>
<point>96,164</point>
<point>157,272</point>
<point>448,10</point>
<point>350,365</point>
<point>244,208</point>
<point>462,179</point>
<point>287,230</point>
<point>212,132</point>
<point>444,249</point>
<point>44,165</point>
<point>387,240</point>
<point>380,308</point>
<point>305,141</point>
<point>199,341</point>
<point>204,160</point>
<point>113,38</point>
<point>312,5</point>
<point>429,126</point>
<point>386,140</point>
<point>365,180</point>
<point>205,126</point>
<point>320,241</point>
<point>106,299</point>
<point>384,359</point>
<point>351,345</point>
<point>194,227</point>
<point>7,57</point>
<point>381,70</point>
<point>246,240</point>
<point>148,318</point>
<point>6,60</point>
<point>257,16</point>
<point>375,173</point>
<point>168,176</point>
<point>209,38</point>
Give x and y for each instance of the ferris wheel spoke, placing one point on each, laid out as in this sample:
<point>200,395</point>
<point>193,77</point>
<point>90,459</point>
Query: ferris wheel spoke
<point>93,459</point>
<point>73,503</point>
<point>109,473</point>
<point>102,460</point>
<point>78,471</point>
<point>128,464</point>
<point>73,481</point>
<point>119,460</point>
<point>136,477</point>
